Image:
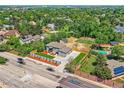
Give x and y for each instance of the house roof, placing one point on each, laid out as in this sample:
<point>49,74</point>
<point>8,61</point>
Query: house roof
<point>65,50</point>
<point>26,38</point>
<point>30,38</point>
<point>2,32</point>
<point>36,37</point>
<point>119,29</point>
<point>56,45</point>
<point>114,42</point>
<point>11,32</point>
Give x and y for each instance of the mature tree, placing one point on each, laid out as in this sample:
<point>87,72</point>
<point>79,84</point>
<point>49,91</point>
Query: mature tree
<point>100,60</point>
<point>2,60</point>
<point>4,47</point>
<point>37,45</point>
<point>118,51</point>
<point>103,72</point>
<point>13,42</point>
<point>23,50</point>
<point>102,39</point>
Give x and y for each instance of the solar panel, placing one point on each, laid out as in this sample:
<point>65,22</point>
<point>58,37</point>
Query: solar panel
<point>119,70</point>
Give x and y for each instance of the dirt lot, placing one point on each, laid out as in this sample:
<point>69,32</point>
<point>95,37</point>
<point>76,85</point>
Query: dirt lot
<point>81,47</point>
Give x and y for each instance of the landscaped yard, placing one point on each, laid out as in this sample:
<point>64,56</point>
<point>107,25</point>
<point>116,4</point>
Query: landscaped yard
<point>88,66</point>
<point>44,55</point>
<point>78,59</point>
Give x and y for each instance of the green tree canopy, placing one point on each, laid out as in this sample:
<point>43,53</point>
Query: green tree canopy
<point>103,72</point>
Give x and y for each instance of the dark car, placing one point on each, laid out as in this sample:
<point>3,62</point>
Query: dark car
<point>20,60</point>
<point>59,87</point>
<point>50,69</point>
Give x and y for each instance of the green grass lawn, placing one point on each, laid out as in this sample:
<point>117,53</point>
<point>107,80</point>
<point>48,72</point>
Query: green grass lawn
<point>86,41</point>
<point>88,67</point>
<point>78,58</point>
<point>119,80</point>
<point>44,55</point>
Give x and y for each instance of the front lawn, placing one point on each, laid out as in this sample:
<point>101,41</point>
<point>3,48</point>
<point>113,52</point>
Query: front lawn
<point>44,55</point>
<point>2,60</point>
<point>88,65</point>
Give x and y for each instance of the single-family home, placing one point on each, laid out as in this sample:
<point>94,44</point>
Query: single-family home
<point>29,38</point>
<point>119,29</point>
<point>26,39</point>
<point>58,48</point>
<point>12,33</point>
<point>7,33</point>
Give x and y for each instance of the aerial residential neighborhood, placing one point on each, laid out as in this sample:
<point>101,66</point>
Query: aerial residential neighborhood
<point>48,47</point>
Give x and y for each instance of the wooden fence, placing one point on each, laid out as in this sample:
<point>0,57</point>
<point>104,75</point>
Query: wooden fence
<point>94,78</point>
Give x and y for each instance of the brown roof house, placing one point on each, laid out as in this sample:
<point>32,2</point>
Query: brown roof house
<point>7,33</point>
<point>12,33</point>
<point>58,48</point>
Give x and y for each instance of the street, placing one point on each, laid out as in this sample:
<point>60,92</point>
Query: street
<point>34,75</point>
<point>73,82</point>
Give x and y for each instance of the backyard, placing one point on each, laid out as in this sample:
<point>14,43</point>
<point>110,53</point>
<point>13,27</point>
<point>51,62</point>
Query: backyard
<point>87,66</point>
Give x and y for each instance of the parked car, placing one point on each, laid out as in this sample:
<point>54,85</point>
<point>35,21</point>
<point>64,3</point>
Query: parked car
<point>20,61</point>
<point>50,69</point>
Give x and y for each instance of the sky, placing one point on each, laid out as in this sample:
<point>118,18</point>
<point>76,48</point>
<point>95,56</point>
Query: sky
<point>61,2</point>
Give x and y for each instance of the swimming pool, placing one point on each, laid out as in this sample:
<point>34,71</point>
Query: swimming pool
<point>101,52</point>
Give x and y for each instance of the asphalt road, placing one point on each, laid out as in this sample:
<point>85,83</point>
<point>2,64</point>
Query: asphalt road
<point>29,75</point>
<point>33,75</point>
<point>73,82</point>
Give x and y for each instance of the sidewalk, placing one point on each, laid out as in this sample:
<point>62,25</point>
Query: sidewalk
<point>89,81</point>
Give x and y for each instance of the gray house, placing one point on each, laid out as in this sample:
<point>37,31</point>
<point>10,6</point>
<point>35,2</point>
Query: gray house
<point>29,39</point>
<point>58,48</point>
<point>119,29</point>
